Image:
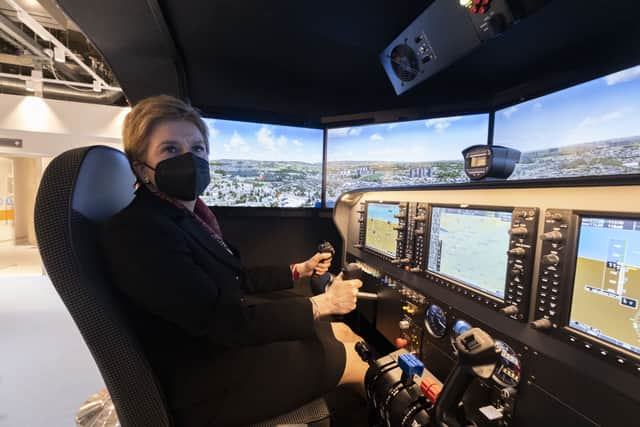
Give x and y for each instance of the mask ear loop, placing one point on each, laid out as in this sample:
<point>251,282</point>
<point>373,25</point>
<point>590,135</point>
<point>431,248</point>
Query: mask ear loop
<point>146,179</point>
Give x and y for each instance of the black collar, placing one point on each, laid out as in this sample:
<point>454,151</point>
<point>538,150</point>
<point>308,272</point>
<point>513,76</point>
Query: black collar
<point>189,224</point>
<point>146,197</point>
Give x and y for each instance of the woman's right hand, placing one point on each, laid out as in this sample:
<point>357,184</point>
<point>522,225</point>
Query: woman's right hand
<point>339,298</point>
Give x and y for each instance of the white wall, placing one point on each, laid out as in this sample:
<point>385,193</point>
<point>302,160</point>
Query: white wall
<point>6,171</point>
<point>27,173</point>
<point>6,184</point>
<point>48,127</point>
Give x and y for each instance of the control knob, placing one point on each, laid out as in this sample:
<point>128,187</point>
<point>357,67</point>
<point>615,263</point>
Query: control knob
<point>519,252</point>
<point>508,393</point>
<point>516,271</point>
<point>510,310</point>
<point>541,324</point>
<point>401,343</point>
<point>550,259</point>
<point>419,232</point>
<point>404,325</point>
<point>519,231</point>
<point>552,236</point>
<point>420,218</point>
<point>556,216</point>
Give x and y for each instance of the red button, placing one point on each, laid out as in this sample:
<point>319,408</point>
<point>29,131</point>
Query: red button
<point>401,343</point>
<point>482,10</point>
<point>485,2</point>
<point>474,9</point>
<point>477,1</point>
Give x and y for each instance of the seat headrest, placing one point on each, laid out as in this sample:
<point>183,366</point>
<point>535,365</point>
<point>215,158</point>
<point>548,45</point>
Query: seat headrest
<point>104,184</point>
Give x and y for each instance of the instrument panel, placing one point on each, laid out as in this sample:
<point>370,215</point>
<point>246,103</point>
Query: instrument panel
<point>485,253</point>
<point>494,263</point>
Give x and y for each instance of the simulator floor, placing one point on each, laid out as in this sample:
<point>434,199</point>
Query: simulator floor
<point>46,371</point>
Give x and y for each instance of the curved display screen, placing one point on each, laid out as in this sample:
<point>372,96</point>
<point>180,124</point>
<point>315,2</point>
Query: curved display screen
<point>585,130</point>
<point>470,246</point>
<point>256,165</point>
<point>418,152</point>
<point>606,289</point>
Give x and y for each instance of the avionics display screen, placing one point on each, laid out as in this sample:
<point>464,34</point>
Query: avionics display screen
<point>380,235</point>
<point>470,246</point>
<point>606,287</point>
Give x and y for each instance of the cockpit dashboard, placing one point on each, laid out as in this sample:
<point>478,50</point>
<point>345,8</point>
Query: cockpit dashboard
<point>551,273</point>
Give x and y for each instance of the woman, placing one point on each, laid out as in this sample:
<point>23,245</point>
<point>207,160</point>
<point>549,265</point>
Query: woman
<point>221,357</point>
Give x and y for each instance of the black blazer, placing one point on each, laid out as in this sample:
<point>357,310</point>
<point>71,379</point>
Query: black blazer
<point>188,298</point>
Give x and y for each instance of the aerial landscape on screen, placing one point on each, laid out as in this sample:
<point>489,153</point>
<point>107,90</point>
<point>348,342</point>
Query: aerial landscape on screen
<point>263,165</point>
<point>588,129</point>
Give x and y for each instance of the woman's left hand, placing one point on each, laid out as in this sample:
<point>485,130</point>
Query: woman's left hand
<point>319,263</point>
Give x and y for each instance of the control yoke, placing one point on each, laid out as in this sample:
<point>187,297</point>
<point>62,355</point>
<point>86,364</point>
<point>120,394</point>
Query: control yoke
<point>477,357</point>
<point>349,272</point>
<point>319,282</point>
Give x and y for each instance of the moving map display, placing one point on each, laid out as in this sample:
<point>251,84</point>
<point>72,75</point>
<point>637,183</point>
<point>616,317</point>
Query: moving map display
<point>380,235</point>
<point>606,287</point>
<point>470,246</point>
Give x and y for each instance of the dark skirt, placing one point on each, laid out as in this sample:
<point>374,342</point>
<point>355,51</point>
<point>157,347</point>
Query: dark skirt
<point>283,376</point>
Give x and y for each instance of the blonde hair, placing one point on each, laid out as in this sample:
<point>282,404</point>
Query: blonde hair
<point>146,114</point>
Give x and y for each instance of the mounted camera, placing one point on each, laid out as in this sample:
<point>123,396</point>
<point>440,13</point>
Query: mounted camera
<point>489,161</point>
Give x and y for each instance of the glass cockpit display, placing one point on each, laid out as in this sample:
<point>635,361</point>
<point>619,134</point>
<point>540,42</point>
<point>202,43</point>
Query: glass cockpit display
<point>381,235</point>
<point>470,246</point>
<point>606,289</point>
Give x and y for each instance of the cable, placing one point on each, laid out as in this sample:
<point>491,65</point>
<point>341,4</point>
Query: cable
<point>53,71</point>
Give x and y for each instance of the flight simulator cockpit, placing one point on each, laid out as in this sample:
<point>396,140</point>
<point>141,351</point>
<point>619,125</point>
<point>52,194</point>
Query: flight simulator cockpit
<point>475,163</point>
<point>509,245</point>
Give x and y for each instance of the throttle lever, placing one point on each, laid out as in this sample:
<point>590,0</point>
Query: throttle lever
<point>477,357</point>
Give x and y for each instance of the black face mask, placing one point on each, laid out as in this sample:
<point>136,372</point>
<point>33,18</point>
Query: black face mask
<point>183,177</point>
